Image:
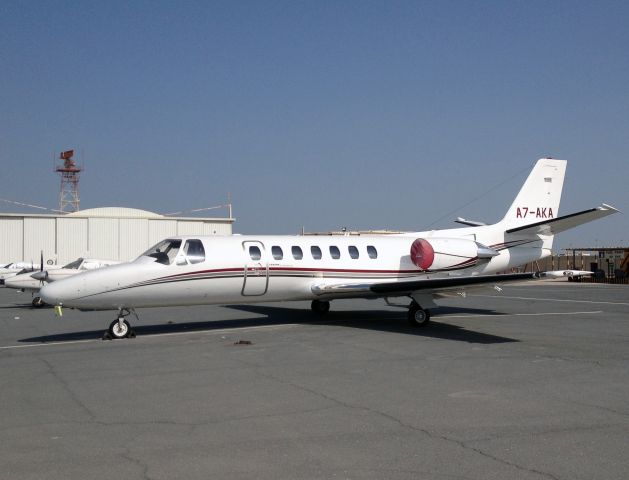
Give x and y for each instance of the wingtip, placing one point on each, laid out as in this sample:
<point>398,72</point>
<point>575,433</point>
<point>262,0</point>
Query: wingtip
<point>604,206</point>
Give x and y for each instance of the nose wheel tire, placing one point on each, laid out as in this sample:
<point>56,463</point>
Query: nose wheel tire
<point>119,329</point>
<point>418,316</point>
<point>38,302</point>
<point>320,307</point>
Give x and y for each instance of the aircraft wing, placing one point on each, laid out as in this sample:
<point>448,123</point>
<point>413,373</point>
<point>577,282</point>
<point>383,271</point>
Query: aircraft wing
<point>553,226</point>
<point>431,285</point>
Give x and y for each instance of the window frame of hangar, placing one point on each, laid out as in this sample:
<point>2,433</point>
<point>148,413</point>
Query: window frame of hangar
<point>277,252</point>
<point>335,252</point>
<point>353,251</point>
<point>372,252</point>
<point>199,256</point>
<point>316,252</point>
<point>297,252</point>
<point>257,256</point>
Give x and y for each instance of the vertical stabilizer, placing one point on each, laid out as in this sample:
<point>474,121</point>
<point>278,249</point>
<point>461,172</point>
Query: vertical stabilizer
<point>540,195</point>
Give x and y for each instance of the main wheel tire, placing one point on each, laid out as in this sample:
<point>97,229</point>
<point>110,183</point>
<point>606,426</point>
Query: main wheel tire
<point>320,307</point>
<point>38,302</point>
<point>119,331</point>
<point>417,316</point>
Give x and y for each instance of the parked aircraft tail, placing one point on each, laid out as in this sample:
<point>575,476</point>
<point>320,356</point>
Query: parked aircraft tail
<point>535,210</point>
<point>539,197</point>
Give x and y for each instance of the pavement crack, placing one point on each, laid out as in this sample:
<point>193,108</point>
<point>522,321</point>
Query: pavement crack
<point>408,426</point>
<point>66,387</point>
<point>139,463</point>
<point>503,461</point>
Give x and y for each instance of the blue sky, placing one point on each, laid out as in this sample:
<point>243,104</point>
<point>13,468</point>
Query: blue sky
<point>322,114</point>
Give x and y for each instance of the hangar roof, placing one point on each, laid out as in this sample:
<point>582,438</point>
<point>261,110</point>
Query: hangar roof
<point>115,212</point>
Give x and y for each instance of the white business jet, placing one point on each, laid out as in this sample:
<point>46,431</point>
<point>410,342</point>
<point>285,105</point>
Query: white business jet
<point>192,270</point>
<point>33,282</point>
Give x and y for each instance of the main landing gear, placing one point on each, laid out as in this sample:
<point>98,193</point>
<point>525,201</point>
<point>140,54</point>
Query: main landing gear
<point>120,328</point>
<point>418,316</point>
<point>320,307</point>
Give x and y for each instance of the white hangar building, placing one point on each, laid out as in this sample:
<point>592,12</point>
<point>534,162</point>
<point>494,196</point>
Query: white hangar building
<point>105,233</point>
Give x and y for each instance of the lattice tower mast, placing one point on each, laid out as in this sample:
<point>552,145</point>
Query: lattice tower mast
<point>70,173</point>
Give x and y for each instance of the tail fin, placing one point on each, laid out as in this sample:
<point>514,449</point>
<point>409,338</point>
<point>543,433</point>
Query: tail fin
<point>540,195</point>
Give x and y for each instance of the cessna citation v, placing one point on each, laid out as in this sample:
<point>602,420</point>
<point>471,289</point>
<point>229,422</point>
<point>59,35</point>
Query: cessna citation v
<point>192,270</point>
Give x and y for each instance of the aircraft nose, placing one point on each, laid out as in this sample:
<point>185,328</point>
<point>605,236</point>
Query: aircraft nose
<point>10,283</point>
<point>55,293</point>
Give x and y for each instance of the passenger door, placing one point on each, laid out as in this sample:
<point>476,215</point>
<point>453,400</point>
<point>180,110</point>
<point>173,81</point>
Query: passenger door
<point>256,270</point>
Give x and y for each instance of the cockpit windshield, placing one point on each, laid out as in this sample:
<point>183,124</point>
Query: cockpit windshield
<point>74,265</point>
<point>164,252</point>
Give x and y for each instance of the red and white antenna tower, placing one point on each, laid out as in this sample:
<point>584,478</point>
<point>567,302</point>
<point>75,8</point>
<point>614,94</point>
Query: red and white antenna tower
<point>69,192</point>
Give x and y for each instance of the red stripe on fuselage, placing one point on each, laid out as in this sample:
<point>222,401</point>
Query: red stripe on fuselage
<point>290,269</point>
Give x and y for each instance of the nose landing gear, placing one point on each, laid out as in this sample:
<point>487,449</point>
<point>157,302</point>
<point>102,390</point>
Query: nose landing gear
<point>120,328</point>
<point>38,302</point>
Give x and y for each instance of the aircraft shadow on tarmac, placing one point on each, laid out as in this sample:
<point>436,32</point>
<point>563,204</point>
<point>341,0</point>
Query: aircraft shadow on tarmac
<point>379,320</point>
<point>385,321</point>
<point>26,306</point>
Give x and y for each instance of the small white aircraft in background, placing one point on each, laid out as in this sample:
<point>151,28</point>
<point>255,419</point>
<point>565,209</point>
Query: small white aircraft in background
<point>193,270</point>
<point>12,269</point>
<point>33,282</point>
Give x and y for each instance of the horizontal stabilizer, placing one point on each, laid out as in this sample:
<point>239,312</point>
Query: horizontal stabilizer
<point>471,223</point>
<point>557,225</point>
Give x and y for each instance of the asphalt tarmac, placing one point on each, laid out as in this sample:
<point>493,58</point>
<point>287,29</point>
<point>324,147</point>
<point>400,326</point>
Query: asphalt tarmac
<point>529,383</point>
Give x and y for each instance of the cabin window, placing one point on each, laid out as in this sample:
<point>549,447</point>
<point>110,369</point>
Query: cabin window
<point>297,253</point>
<point>316,252</point>
<point>195,253</point>
<point>372,252</point>
<point>277,252</point>
<point>335,252</point>
<point>255,253</point>
<point>165,251</point>
<point>353,251</point>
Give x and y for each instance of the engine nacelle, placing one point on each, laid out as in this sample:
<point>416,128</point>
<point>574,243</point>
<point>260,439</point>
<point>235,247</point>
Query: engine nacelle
<point>448,253</point>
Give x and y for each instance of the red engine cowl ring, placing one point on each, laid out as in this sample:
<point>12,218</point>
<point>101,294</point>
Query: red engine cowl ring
<point>422,254</point>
